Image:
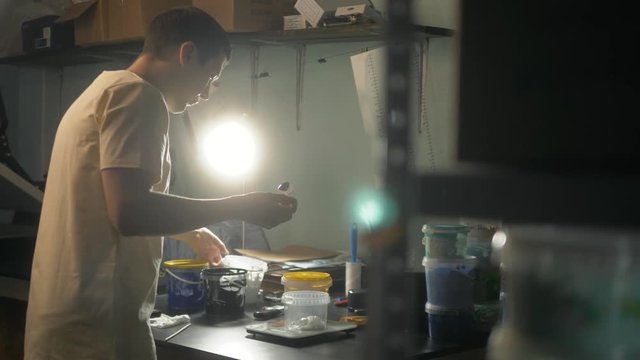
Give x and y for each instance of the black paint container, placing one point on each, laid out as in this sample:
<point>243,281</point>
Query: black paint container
<point>224,292</point>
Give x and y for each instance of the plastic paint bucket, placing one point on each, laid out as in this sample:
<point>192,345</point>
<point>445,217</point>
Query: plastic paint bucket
<point>486,287</point>
<point>255,273</point>
<point>224,292</point>
<point>184,289</point>
<point>306,280</point>
<point>450,282</point>
<point>445,241</point>
<point>449,324</point>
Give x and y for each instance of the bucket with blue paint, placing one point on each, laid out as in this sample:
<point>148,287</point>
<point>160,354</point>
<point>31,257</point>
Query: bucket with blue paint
<point>446,324</point>
<point>185,290</point>
<point>450,282</point>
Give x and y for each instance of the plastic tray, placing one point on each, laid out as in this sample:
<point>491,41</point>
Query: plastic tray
<point>276,328</point>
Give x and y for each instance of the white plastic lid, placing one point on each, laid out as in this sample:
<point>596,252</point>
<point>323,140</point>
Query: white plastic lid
<point>306,298</point>
<point>444,229</point>
<point>441,310</point>
<point>244,262</point>
<point>436,262</point>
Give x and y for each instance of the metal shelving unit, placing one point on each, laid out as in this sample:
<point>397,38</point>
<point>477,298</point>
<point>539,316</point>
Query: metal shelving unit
<point>390,295</point>
<point>128,50</point>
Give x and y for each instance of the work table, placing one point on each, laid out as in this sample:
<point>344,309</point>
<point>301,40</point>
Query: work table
<point>230,340</point>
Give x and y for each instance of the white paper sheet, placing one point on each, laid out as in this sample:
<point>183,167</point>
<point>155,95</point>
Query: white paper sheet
<point>369,73</point>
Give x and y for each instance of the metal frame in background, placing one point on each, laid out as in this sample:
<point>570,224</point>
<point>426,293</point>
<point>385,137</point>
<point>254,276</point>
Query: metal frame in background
<point>390,297</point>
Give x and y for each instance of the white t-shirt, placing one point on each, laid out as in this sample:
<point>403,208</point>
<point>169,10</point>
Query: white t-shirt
<point>92,290</point>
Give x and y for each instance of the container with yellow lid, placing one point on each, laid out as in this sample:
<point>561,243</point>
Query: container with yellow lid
<point>186,264</point>
<point>306,281</point>
<point>185,292</point>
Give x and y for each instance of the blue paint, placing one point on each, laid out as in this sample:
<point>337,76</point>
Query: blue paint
<point>449,282</point>
<point>448,324</point>
<point>185,292</point>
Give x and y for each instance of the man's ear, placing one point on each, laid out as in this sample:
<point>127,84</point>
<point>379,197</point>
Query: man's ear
<point>187,52</point>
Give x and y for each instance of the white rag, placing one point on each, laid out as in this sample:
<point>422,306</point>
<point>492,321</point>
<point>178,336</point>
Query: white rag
<point>164,321</point>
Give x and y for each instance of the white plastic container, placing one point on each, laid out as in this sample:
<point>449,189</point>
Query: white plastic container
<point>305,310</point>
<point>255,273</point>
<point>445,241</point>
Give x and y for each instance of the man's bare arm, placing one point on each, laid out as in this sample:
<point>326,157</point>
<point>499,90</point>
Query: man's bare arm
<point>136,210</point>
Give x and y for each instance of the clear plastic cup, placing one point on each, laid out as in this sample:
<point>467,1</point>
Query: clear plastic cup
<point>305,310</point>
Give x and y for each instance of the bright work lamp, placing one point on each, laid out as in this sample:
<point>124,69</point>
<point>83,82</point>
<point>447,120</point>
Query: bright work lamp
<point>230,151</point>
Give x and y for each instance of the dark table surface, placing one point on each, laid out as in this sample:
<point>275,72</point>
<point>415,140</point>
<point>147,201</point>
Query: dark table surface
<point>230,340</point>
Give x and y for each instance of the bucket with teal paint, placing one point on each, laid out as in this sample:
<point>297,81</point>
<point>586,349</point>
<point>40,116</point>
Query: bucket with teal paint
<point>185,290</point>
<point>445,241</point>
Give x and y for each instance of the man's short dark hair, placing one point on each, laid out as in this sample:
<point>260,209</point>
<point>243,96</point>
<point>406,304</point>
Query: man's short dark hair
<point>178,25</point>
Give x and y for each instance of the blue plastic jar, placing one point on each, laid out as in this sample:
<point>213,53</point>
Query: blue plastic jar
<point>450,282</point>
<point>445,324</point>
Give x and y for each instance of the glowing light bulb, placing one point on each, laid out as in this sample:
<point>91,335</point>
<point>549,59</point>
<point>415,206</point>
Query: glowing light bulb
<point>230,149</point>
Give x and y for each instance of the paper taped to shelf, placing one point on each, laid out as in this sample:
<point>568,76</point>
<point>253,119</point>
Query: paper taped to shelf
<point>369,73</point>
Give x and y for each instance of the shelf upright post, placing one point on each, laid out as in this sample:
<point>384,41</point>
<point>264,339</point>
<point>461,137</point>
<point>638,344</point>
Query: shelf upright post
<point>255,70</point>
<point>301,55</point>
<point>390,335</point>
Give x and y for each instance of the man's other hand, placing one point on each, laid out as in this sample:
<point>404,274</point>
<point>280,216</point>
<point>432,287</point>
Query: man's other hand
<point>206,245</point>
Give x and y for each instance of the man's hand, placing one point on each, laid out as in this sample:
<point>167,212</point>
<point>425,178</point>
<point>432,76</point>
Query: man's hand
<point>205,244</point>
<point>267,209</point>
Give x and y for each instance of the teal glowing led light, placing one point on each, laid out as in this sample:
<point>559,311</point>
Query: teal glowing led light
<point>373,208</point>
<point>370,212</point>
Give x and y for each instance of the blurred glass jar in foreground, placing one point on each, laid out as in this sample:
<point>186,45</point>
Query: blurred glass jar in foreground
<point>571,293</point>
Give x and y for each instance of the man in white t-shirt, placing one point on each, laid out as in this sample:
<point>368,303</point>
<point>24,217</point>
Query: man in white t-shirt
<point>105,208</point>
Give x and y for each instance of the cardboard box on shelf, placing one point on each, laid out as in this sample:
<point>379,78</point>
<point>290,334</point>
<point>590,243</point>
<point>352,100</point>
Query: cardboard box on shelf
<point>89,21</point>
<point>128,19</point>
<point>247,15</point>
<point>97,21</point>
